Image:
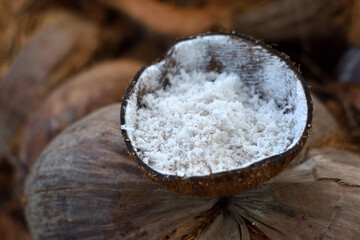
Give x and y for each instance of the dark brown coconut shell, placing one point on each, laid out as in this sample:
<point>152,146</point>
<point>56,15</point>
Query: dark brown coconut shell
<point>230,182</point>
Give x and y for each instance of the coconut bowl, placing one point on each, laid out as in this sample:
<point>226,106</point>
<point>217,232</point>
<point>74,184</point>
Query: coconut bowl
<point>269,72</point>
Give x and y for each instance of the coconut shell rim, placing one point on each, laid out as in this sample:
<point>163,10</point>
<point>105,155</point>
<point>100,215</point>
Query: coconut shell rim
<point>293,150</point>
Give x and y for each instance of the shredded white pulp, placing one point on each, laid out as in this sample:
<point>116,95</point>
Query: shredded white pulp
<point>208,122</point>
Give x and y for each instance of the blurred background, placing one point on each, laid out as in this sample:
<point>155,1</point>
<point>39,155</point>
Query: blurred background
<point>61,60</point>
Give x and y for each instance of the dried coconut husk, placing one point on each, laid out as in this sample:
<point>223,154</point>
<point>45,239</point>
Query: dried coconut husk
<point>343,139</point>
<point>63,45</point>
<point>97,191</point>
<point>321,129</point>
<point>85,186</point>
<point>344,101</point>
<point>295,20</point>
<point>178,21</point>
<point>20,25</point>
<point>6,17</point>
<point>354,31</point>
<point>6,172</point>
<point>11,32</point>
<point>21,20</point>
<point>349,65</point>
<point>103,84</point>
<point>12,230</point>
<point>269,20</point>
<point>310,201</point>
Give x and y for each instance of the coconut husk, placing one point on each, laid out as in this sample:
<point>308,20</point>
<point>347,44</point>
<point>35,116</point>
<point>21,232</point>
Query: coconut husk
<point>321,129</point>
<point>12,230</point>
<point>85,186</point>
<point>21,20</point>
<point>295,20</point>
<point>96,87</point>
<point>101,189</point>
<point>269,20</point>
<point>18,25</point>
<point>178,21</point>
<point>311,201</point>
<point>349,65</point>
<point>63,45</point>
<point>354,30</point>
<point>6,172</point>
<point>5,17</point>
<point>8,32</point>
<point>343,140</point>
<point>344,101</point>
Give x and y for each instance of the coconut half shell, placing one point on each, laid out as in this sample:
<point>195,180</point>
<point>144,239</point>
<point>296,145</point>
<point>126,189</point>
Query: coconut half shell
<point>226,52</point>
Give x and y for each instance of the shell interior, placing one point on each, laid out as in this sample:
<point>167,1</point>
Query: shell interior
<point>213,104</point>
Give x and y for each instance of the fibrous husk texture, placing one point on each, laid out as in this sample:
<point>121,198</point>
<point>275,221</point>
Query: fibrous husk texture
<point>91,89</point>
<point>346,97</point>
<point>85,186</point>
<point>87,91</point>
<point>66,40</point>
<point>98,178</point>
<point>354,32</point>
<point>279,20</point>
<point>11,229</point>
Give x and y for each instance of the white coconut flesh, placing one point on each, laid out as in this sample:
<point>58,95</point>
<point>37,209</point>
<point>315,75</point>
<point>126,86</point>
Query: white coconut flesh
<point>216,104</point>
